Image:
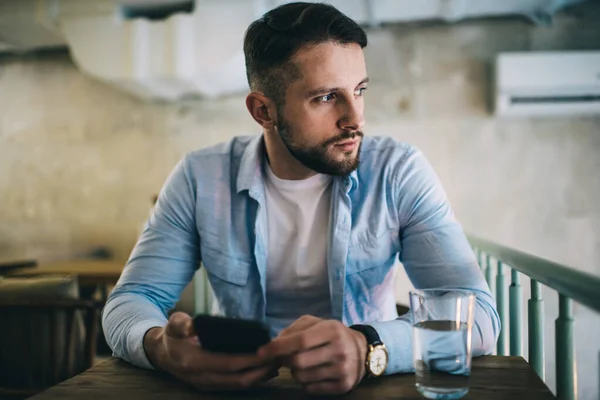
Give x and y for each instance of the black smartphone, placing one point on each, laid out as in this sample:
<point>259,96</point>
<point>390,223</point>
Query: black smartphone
<point>230,335</point>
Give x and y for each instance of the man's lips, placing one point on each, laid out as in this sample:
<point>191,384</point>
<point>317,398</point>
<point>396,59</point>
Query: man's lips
<point>345,142</point>
<point>347,145</point>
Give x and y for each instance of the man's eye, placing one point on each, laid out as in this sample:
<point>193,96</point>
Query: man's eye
<point>360,91</point>
<point>327,98</point>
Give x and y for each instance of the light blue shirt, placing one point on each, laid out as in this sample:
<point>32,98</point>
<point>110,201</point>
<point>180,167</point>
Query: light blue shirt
<point>212,210</point>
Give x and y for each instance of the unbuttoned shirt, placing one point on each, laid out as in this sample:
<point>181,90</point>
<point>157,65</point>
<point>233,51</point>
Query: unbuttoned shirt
<point>212,212</point>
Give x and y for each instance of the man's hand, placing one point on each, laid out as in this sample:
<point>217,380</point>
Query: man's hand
<point>176,350</point>
<point>325,356</point>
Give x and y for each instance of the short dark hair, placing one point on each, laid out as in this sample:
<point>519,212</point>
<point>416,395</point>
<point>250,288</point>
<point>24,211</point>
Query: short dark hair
<point>272,41</point>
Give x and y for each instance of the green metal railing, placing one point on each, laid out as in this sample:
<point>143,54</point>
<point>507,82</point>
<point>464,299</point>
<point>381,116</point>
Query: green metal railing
<point>571,285</point>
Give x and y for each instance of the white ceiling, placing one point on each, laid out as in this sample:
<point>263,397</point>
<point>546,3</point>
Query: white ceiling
<point>178,56</point>
<point>151,3</point>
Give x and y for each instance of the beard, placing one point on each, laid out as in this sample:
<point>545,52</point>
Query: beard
<point>316,157</point>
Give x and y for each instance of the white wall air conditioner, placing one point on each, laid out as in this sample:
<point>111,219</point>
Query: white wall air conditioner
<point>561,83</point>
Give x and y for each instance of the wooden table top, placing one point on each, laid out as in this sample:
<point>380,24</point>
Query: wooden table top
<point>8,265</point>
<point>88,271</point>
<point>492,377</point>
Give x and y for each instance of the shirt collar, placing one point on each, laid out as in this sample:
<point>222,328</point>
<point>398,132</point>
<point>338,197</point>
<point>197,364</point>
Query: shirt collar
<point>250,175</point>
<point>351,181</point>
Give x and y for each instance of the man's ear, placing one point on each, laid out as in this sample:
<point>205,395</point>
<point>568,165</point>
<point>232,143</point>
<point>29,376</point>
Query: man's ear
<point>262,109</point>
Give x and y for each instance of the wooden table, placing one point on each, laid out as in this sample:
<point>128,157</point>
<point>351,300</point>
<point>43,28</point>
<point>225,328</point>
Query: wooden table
<point>92,275</point>
<point>492,377</point>
<point>10,265</point>
<point>89,272</point>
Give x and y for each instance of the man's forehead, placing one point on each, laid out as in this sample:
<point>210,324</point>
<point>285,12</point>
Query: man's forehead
<point>330,64</point>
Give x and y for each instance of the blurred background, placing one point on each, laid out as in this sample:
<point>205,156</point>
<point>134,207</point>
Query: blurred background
<point>99,100</point>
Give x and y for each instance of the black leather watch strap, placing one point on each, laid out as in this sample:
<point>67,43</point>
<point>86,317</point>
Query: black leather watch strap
<point>370,333</point>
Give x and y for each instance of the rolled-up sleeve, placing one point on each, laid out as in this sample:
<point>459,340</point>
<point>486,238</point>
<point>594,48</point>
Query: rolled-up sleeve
<point>436,254</point>
<point>161,264</point>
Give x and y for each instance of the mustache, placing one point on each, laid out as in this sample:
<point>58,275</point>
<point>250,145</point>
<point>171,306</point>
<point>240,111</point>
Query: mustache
<point>343,136</point>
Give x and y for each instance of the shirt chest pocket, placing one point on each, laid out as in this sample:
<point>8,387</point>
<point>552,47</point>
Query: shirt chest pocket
<point>225,268</point>
<point>229,278</point>
<point>369,253</point>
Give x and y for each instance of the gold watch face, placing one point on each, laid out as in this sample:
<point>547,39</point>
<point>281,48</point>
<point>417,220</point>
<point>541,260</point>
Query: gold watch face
<point>378,359</point>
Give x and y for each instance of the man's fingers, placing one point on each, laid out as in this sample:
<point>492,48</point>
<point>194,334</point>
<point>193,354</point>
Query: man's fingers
<point>188,355</point>
<point>315,336</point>
<point>329,372</point>
<point>273,373</point>
<point>301,324</point>
<point>326,354</point>
<point>288,345</point>
<point>179,326</point>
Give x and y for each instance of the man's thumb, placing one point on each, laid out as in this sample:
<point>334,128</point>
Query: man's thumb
<point>179,326</point>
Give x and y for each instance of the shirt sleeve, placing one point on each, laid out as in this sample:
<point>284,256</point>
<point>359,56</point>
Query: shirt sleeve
<point>161,264</point>
<point>436,254</point>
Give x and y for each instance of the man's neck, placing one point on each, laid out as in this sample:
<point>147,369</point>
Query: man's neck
<point>283,164</point>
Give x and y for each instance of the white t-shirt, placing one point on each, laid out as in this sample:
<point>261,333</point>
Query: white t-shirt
<point>298,223</point>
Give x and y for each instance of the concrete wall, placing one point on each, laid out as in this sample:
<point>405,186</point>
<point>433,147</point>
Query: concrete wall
<point>79,161</point>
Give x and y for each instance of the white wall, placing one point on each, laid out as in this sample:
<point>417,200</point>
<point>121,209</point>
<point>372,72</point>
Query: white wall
<point>79,161</point>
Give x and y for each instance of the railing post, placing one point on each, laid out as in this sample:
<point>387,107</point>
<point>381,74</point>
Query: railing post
<point>536,329</point>
<point>489,274</point>
<point>501,306</point>
<point>516,341</point>
<point>566,387</point>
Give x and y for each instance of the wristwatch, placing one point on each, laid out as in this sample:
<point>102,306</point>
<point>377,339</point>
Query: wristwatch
<point>377,355</point>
